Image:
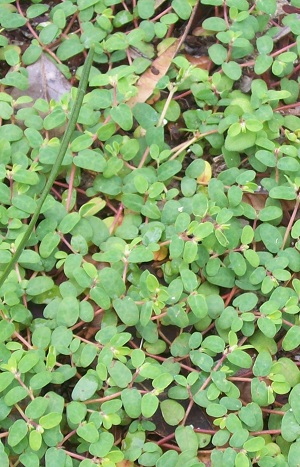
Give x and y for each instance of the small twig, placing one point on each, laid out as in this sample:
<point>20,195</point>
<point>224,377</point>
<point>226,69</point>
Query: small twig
<point>187,28</point>
<point>291,222</point>
<point>283,31</point>
<point>70,188</point>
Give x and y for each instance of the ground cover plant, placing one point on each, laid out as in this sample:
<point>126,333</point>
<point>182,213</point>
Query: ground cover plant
<point>149,247</point>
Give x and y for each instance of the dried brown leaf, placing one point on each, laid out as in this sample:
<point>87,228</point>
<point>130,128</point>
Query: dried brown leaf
<point>203,61</point>
<point>256,200</point>
<point>148,81</point>
<point>158,3</point>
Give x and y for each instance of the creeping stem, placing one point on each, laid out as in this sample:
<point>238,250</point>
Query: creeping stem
<point>56,166</point>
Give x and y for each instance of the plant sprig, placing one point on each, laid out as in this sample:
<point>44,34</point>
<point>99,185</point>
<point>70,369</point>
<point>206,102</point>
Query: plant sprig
<point>56,166</point>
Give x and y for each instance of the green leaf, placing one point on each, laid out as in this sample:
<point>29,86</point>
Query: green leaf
<point>190,252</point>
<point>103,446</point>
<point>54,120</point>
<point>24,203</point>
<point>262,63</point>
<point>296,229</point>
<point>85,388</point>
<point>17,432</point>
<point>266,326</point>
<point>173,111</point>
<point>288,164</point>
<point>271,237</point>
<point>217,53</point>
<point>292,338</point>
<point>37,407</point>
<point>28,361</point>
<point>40,380</point>
<point>131,399</point>
<point>186,438</point>
<point>232,70</point>
<point>120,374</point>
<point>35,440</point>
<point>182,8</point>
<point>172,412</point>
<point>48,244</point>
<point>92,207</point>
<point>88,432</point>
<point>290,428</point>
<point>5,379</point>
<point>241,460</point>
<point>293,455</point>
<point>178,316</point>
<point>48,33</point>
<point>36,10</point>
<point>76,412</point>
<point>145,115</point>
<point>15,395</point>
<point>127,310</point>
<point>50,420</point>
<point>146,8</point>
<point>69,47</point>
<point>39,285</point>
<point>238,263</point>
<point>214,24</point>
<point>81,142</point>
<point>122,115</point>
<point>7,328</point>
<point>283,192</point>
<point>149,405</point>
<point>263,364</point>
<point>241,141</point>
<point>246,302</point>
<point>264,44</point>
<point>294,401</point>
<point>55,457</point>
<point>29,459</point>
<point>198,305</point>
<point>167,170</point>
<point>90,160</point>
<point>224,278</point>
<point>254,444</point>
<point>216,410</point>
<point>168,459</point>
<point>240,358</point>
<point>68,312</point>
<point>162,381</point>
<point>140,254</point>
<point>69,222</point>
<point>189,280</point>
<point>220,438</point>
<point>213,343</point>
<point>87,355</point>
<point>112,282</point>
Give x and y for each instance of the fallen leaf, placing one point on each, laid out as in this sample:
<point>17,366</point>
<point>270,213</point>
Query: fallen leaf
<point>158,3</point>
<point>199,31</point>
<point>148,81</point>
<point>45,81</point>
<point>203,61</point>
<point>125,463</point>
<point>206,174</point>
<point>161,254</point>
<point>256,200</point>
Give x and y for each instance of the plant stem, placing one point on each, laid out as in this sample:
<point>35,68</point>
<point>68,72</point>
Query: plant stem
<point>166,106</point>
<point>291,222</point>
<point>55,169</point>
<point>181,147</point>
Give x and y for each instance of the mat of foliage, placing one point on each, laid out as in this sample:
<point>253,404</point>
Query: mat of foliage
<point>153,317</point>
